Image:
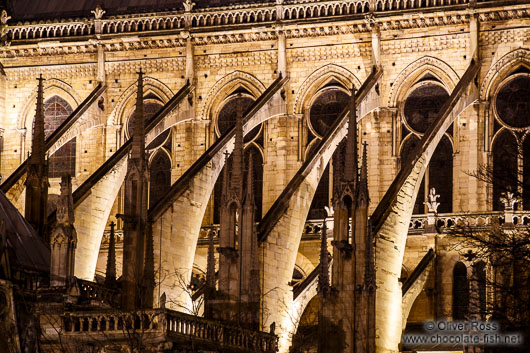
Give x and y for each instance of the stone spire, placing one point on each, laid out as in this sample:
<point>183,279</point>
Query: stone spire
<point>138,144</point>
<point>248,256</point>
<point>237,157</point>
<point>37,146</point>
<point>249,194</point>
<point>135,232</point>
<point>226,182</point>
<point>350,168</point>
<point>110,271</point>
<point>323,275</point>
<point>63,239</point>
<point>37,171</point>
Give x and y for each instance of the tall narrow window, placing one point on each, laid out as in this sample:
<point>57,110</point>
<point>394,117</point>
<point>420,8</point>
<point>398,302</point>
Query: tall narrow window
<point>504,166</point>
<point>511,147</point>
<point>226,119</point>
<point>460,292</point>
<point>419,112</point>
<point>62,162</point>
<point>325,110</point>
<point>159,177</point>
<point>257,172</point>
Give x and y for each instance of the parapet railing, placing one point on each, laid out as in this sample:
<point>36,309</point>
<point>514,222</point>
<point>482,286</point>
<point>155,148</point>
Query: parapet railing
<point>172,324</point>
<point>418,222</point>
<point>248,14</point>
<point>97,292</point>
<point>445,221</point>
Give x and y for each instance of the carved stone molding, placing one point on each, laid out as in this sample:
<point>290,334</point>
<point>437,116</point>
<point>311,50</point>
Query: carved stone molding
<point>514,35</point>
<point>415,45</point>
<point>128,96</point>
<point>236,60</point>
<point>52,86</point>
<point>328,53</point>
<point>499,69</point>
<point>218,88</point>
<point>151,65</point>
<point>59,71</point>
<point>409,75</point>
<point>320,76</point>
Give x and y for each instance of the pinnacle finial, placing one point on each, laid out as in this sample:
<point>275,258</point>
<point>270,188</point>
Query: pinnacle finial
<point>138,150</point>
<point>363,197</point>
<point>237,159</point>
<point>65,205</point>
<point>250,177</point>
<point>37,147</point>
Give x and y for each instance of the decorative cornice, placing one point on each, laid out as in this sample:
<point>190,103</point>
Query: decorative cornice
<point>57,71</point>
<point>237,60</point>
<point>150,65</point>
<point>120,33</point>
<point>268,13</point>
<point>328,53</point>
<point>235,37</point>
<point>415,45</point>
<point>504,36</point>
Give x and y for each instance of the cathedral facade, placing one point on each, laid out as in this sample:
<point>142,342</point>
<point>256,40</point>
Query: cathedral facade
<point>276,158</point>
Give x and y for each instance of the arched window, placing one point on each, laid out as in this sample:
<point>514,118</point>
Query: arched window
<point>511,148</point>
<point>257,172</point>
<point>460,292</point>
<point>151,107</point>
<point>160,163</point>
<point>226,118</point>
<point>504,166</point>
<point>62,162</point>
<point>419,111</point>
<point>159,176</point>
<point>408,148</point>
<point>326,108</point>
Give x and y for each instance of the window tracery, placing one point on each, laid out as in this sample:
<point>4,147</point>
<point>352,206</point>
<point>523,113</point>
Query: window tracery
<point>327,106</point>
<point>226,119</point>
<point>511,145</point>
<point>56,111</point>
<point>418,111</point>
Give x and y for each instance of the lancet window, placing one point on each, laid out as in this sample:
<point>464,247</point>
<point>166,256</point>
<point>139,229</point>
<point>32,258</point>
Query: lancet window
<point>253,141</point>
<point>511,144</point>
<point>327,106</point>
<point>56,110</point>
<point>418,112</point>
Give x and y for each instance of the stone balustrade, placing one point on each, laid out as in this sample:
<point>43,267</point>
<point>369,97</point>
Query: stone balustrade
<point>173,325</point>
<point>97,292</point>
<point>220,17</point>
<point>443,221</point>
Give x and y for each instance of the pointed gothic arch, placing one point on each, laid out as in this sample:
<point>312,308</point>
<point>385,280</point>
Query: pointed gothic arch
<point>127,99</point>
<point>411,74</point>
<point>501,69</point>
<point>317,80</point>
<point>159,175</point>
<point>224,87</point>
